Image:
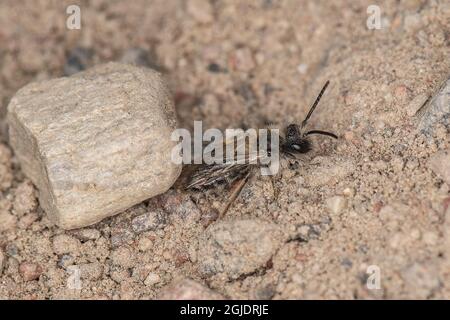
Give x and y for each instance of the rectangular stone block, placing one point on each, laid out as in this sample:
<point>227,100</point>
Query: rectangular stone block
<point>95,143</point>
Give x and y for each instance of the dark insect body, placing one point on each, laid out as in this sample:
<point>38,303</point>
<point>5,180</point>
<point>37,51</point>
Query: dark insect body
<point>294,141</point>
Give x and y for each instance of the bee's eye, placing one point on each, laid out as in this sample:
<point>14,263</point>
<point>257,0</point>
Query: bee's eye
<point>296,147</point>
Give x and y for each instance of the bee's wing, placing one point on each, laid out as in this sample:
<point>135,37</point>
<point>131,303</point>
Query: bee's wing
<point>209,175</point>
<point>233,166</point>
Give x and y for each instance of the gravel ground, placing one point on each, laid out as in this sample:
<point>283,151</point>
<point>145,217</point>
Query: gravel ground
<point>379,196</point>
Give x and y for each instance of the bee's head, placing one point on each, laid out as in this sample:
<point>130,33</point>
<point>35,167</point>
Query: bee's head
<point>296,138</point>
<point>294,141</point>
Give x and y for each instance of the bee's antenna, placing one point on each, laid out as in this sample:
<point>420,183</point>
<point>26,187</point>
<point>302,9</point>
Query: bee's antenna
<point>315,103</point>
<point>324,133</point>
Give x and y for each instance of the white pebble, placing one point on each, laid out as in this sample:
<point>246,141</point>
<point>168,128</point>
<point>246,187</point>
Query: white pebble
<point>302,68</point>
<point>152,279</point>
<point>336,204</point>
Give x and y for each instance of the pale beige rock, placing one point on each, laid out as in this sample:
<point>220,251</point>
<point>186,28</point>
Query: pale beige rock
<point>152,279</point>
<point>336,204</point>
<point>95,143</point>
<point>237,247</point>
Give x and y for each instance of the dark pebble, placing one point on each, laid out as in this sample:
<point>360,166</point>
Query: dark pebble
<point>215,68</point>
<point>77,60</point>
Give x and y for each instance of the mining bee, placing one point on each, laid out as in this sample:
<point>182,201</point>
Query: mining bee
<point>292,142</point>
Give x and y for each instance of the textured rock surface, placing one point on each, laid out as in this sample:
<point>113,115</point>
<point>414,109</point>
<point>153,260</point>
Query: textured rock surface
<point>237,247</point>
<point>95,143</point>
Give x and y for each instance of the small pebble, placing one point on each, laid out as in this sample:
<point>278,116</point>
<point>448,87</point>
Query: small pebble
<point>152,220</point>
<point>415,234</point>
<point>87,234</point>
<point>214,67</point>
<point>145,244</point>
<point>64,243</point>
<point>12,250</point>
<point>346,262</point>
<point>152,279</point>
<point>121,236</point>
<point>337,204</point>
<point>349,192</point>
<point>30,271</point>
<point>302,68</point>
<point>265,292</point>
<point>123,257</point>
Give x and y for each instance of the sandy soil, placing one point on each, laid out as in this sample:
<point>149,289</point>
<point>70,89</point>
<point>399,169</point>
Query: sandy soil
<point>379,196</point>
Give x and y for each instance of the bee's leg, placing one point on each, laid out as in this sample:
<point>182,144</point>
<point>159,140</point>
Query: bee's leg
<point>275,188</point>
<point>237,190</point>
